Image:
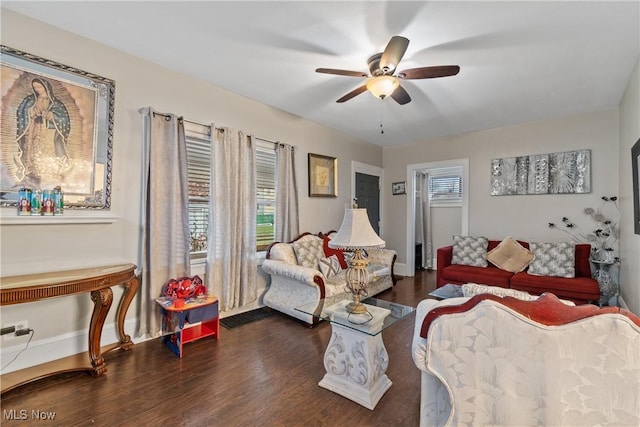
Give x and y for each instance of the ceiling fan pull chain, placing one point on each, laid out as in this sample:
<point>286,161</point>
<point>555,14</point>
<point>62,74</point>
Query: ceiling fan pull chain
<point>381,111</point>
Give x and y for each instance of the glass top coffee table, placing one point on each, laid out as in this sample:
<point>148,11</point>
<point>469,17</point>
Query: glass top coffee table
<point>381,314</point>
<point>449,290</point>
<point>356,359</point>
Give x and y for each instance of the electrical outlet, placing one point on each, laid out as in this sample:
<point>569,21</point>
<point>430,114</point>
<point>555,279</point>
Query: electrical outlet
<point>23,324</point>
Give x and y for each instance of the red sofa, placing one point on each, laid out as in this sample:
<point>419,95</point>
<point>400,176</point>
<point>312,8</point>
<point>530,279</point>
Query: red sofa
<point>581,289</point>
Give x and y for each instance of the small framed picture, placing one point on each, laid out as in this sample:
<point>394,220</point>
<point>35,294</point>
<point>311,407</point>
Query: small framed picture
<point>399,188</point>
<point>323,176</point>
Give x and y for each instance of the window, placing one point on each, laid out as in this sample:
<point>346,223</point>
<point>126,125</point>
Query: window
<point>198,138</point>
<point>266,194</point>
<point>445,185</point>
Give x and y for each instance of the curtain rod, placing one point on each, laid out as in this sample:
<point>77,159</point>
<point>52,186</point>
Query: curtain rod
<point>222,129</point>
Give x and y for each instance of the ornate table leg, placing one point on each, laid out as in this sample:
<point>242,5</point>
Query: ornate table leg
<point>102,300</point>
<point>356,363</point>
<point>130,290</point>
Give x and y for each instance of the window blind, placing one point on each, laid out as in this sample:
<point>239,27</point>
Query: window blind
<point>265,194</point>
<point>198,140</point>
<point>446,187</point>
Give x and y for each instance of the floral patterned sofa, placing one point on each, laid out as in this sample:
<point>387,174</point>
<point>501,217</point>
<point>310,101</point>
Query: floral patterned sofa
<point>489,360</point>
<point>306,271</point>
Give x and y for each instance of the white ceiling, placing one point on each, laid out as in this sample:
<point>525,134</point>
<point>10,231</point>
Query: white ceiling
<point>520,61</point>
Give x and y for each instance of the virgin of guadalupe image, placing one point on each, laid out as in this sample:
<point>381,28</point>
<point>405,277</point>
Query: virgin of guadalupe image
<point>42,134</point>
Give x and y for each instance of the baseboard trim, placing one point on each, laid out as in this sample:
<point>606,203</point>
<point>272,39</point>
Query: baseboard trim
<point>53,348</point>
<point>401,269</point>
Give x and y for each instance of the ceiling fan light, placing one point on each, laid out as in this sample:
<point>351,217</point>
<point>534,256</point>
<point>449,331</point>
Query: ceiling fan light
<point>382,86</point>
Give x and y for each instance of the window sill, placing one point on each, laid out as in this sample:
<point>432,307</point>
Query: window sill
<point>446,204</point>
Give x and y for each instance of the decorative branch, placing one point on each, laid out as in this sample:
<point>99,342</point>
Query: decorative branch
<point>605,235</point>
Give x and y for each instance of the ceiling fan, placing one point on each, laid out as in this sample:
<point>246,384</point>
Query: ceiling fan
<point>382,81</point>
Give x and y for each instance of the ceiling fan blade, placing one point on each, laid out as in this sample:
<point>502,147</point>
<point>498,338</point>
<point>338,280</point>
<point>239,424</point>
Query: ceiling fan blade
<point>429,72</point>
<point>401,96</point>
<point>341,72</point>
<point>393,53</point>
<point>353,93</point>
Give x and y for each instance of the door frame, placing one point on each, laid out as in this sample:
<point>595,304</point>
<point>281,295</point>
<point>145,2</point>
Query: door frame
<point>412,170</point>
<point>357,167</point>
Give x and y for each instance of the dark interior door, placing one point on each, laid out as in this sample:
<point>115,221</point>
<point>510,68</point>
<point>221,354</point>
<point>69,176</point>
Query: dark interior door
<point>368,195</point>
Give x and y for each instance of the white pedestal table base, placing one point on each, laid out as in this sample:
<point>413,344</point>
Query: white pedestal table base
<point>356,363</point>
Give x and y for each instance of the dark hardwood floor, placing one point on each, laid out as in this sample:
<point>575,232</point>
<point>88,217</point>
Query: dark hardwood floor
<point>264,373</point>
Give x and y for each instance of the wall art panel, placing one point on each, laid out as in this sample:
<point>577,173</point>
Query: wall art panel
<point>556,173</point>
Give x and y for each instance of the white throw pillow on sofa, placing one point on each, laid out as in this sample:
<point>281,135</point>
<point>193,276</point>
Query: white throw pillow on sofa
<point>553,259</point>
<point>468,250</point>
<point>329,266</point>
<point>472,289</point>
<point>308,251</point>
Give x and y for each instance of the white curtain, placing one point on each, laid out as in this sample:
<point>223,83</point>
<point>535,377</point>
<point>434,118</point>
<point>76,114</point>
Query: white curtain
<point>287,220</point>
<point>165,231</point>
<point>231,255</point>
<point>425,222</point>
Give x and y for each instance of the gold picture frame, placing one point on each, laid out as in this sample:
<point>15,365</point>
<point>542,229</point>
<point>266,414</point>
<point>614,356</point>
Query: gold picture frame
<point>323,176</point>
<point>57,130</point>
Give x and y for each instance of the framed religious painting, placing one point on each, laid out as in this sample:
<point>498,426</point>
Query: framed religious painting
<point>57,130</point>
<point>323,176</point>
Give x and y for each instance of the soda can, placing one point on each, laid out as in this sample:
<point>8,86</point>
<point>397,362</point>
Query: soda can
<point>47,202</point>
<point>58,201</point>
<point>36,202</point>
<point>24,201</point>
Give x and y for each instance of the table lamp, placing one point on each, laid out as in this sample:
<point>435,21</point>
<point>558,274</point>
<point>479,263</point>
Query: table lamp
<point>356,234</point>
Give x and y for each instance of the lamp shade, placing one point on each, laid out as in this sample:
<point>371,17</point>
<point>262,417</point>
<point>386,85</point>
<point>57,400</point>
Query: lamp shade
<point>382,86</point>
<point>356,232</point>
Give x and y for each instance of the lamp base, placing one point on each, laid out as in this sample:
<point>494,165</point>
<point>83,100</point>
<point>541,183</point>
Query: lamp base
<point>357,280</point>
<point>356,308</point>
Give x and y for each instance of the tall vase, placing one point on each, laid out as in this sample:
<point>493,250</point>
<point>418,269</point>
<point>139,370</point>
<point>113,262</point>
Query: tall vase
<point>602,274</point>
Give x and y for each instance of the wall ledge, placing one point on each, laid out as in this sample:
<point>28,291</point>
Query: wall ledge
<point>53,220</point>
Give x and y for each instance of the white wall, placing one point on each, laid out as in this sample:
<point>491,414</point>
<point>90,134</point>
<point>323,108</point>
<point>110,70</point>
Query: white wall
<point>31,249</point>
<point>629,242</point>
<point>445,222</point>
